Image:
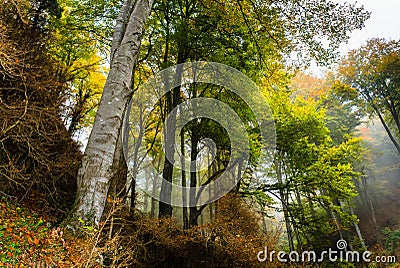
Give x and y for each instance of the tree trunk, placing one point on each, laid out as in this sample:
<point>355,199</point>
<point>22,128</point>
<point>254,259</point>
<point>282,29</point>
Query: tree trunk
<point>358,231</point>
<point>386,127</point>
<point>136,161</point>
<point>155,186</point>
<point>336,219</point>
<point>210,190</point>
<point>370,204</point>
<point>117,191</point>
<point>285,202</point>
<point>239,178</point>
<point>184,197</point>
<point>214,167</point>
<point>165,208</point>
<point>194,212</point>
<point>97,166</point>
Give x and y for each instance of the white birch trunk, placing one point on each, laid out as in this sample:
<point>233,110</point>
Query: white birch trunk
<point>97,164</point>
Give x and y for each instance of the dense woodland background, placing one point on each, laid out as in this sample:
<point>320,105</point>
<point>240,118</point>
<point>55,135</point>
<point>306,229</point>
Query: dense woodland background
<point>334,174</point>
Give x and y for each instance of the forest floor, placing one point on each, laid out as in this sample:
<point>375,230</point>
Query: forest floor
<point>28,239</point>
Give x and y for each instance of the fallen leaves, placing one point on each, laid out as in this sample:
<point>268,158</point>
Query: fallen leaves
<point>27,241</point>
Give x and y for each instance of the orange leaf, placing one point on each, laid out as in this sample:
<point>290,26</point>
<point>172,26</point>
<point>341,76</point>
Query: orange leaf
<point>36,241</point>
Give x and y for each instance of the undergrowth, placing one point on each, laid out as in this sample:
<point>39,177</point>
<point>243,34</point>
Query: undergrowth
<point>30,240</point>
<point>233,239</point>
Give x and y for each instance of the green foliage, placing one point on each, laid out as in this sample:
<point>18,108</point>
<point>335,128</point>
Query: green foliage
<point>80,42</point>
<point>317,175</point>
<point>344,111</point>
<point>86,228</point>
<point>253,37</point>
<point>392,240</point>
<point>88,23</point>
<point>371,69</point>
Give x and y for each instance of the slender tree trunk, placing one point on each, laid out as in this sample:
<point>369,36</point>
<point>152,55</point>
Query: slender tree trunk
<point>311,205</point>
<point>264,223</point>
<point>334,217</point>
<point>285,202</point>
<point>154,190</point>
<point>184,197</point>
<point>98,168</point>
<point>210,190</point>
<point>153,201</point>
<point>136,160</point>
<point>238,177</point>
<point>370,204</point>
<point>303,220</point>
<point>146,197</point>
<point>387,129</point>
<point>165,208</point>
<point>194,212</point>
<point>358,231</point>
<point>214,170</point>
<point>369,200</point>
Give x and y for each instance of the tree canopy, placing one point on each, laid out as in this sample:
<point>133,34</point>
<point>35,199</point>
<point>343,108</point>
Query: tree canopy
<point>373,71</point>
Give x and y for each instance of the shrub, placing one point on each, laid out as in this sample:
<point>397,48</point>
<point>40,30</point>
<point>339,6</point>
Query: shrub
<point>233,239</point>
<point>37,155</point>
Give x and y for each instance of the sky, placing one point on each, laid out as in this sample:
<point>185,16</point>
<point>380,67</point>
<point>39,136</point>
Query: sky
<point>384,22</point>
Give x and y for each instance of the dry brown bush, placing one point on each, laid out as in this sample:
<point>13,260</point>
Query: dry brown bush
<point>37,155</point>
<point>232,240</point>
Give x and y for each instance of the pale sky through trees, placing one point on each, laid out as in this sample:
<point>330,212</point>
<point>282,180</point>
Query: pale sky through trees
<point>384,22</point>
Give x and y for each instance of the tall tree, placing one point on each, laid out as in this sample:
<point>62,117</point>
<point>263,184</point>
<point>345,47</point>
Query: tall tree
<point>373,70</point>
<point>313,175</point>
<point>250,36</point>
<point>98,163</point>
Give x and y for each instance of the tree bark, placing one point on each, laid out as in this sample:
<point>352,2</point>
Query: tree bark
<point>97,166</point>
<point>183,173</point>
<point>194,212</point>
<point>238,177</point>
<point>210,190</point>
<point>389,132</point>
<point>358,231</point>
<point>165,208</point>
<point>285,202</point>
<point>384,124</point>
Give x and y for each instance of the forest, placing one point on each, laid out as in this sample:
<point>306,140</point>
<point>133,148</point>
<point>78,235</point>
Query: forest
<point>192,133</point>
